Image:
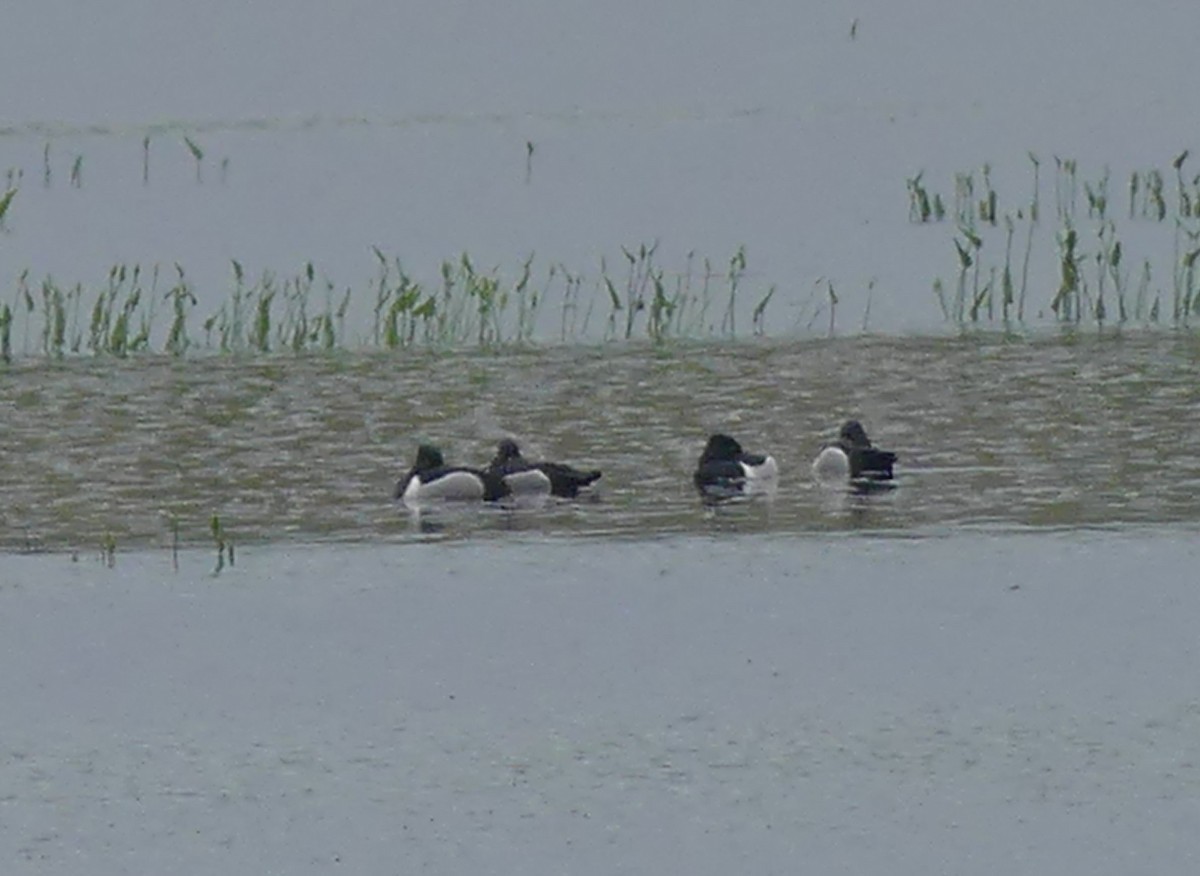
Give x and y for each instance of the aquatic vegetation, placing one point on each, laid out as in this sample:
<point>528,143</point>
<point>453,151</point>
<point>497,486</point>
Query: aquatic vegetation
<point>5,202</point>
<point>223,543</point>
<point>1094,281</point>
<point>197,154</point>
<point>467,306</point>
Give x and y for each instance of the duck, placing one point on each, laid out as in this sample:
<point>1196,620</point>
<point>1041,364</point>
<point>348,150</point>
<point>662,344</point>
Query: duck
<point>853,458</point>
<point>431,479</point>
<point>523,476</point>
<point>725,469</point>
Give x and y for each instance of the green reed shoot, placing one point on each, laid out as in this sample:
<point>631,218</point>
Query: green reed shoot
<point>685,302</point>
<point>1097,197</point>
<point>662,309</point>
<point>968,261</point>
<point>197,154</point>
<point>1111,253</point>
<point>1066,302</point>
<point>987,205</point>
<point>758,317</point>
<point>1184,197</point>
<point>965,263</point>
<point>292,331</point>
<point>641,270</point>
<point>573,283</point>
<point>54,325</point>
<point>1143,291</point>
<point>920,208</point>
<point>1065,188</point>
<point>964,199</point>
<point>939,292</point>
<point>5,202</point>
<point>182,301</point>
<point>1100,309</point>
<point>1035,202</point>
<point>866,320</point>
<point>5,333</point>
<point>172,521</point>
<point>1007,296</point>
<point>527,302</point>
<point>24,296</point>
<point>737,268</point>
<point>260,331</point>
<point>1187,247</point>
<point>223,543</point>
<point>108,550</point>
<point>1156,203</point>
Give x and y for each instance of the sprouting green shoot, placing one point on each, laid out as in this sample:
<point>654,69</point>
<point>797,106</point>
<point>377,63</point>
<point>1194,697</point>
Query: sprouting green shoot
<point>197,154</point>
<point>5,202</point>
<point>223,543</point>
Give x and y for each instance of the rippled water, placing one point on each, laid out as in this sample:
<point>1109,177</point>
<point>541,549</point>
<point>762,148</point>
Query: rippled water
<point>992,432</point>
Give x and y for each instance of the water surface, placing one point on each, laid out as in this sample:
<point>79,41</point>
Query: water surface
<point>993,432</point>
<point>705,126</point>
<point>683,704</point>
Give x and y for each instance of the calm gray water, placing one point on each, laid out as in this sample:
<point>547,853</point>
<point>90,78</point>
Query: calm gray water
<point>996,433</point>
<point>958,705</point>
<point>704,126</point>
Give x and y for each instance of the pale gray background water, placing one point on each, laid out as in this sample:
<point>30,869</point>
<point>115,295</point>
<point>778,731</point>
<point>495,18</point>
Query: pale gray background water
<point>704,126</point>
<point>697,705</point>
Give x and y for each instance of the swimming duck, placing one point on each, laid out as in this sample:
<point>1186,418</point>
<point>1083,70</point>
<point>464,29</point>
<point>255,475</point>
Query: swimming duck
<point>725,469</point>
<point>852,457</point>
<point>431,479</point>
<point>538,477</point>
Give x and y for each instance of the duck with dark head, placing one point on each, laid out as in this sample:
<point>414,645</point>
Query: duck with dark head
<point>430,479</point>
<point>854,459</point>
<point>524,476</point>
<point>726,470</point>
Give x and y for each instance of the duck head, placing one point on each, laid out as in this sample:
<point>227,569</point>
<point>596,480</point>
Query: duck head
<point>721,447</point>
<point>506,451</point>
<point>428,458</point>
<point>854,435</point>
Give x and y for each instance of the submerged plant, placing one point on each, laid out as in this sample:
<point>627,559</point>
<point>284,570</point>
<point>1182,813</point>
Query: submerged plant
<point>223,543</point>
<point>108,550</point>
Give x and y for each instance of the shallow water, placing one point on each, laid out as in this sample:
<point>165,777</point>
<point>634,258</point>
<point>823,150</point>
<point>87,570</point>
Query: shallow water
<point>993,433</point>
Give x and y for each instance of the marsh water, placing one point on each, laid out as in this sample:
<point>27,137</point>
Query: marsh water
<point>989,669</point>
<point>991,434</point>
